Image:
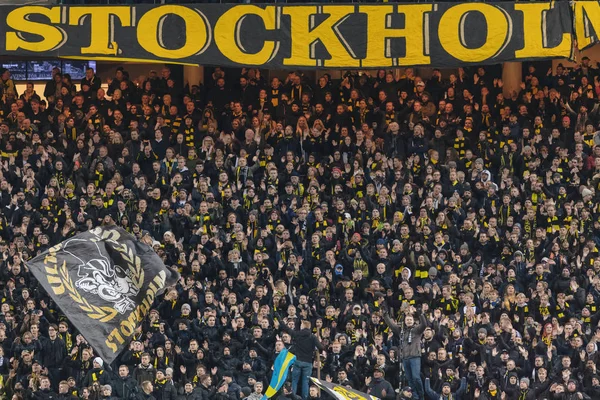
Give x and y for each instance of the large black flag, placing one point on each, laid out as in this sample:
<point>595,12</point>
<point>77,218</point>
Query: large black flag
<point>105,282</point>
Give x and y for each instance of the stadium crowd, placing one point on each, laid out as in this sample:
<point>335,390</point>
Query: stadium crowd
<point>410,238</point>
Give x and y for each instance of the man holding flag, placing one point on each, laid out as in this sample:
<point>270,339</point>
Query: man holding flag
<point>283,362</point>
<point>304,345</point>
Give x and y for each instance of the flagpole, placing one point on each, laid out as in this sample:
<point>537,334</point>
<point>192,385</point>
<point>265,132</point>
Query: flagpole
<point>319,364</point>
<point>318,368</point>
<point>318,359</point>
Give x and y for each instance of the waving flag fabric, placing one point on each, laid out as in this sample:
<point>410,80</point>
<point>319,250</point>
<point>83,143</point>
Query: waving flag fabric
<point>282,365</point>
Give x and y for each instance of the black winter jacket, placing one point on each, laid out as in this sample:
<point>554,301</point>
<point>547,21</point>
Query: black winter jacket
<point>304,343</point>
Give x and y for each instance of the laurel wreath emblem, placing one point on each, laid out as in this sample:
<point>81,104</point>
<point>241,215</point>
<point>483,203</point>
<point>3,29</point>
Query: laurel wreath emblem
<point>103,314</point>
<point>61,281</point>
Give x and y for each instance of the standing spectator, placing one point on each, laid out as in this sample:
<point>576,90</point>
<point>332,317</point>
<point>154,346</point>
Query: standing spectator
<point>54,352</point>
<point>188,393</point>
<point>147,391</point>
<point>144,371</point>
<point>64,392</point>
<point>44,392</point>
<point>163,388</point>
<point>97,375</point>
<point>410,346</point>
<point>8,90</point>
<point>446,393</point>
<point>92,81</point>
<point>125,387</point>
<point>377,385</point>
<point>304,347</point>
<point>107,393</point>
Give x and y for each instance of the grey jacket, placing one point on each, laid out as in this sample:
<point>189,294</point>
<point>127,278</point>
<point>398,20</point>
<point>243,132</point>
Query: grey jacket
<point>410,338</point>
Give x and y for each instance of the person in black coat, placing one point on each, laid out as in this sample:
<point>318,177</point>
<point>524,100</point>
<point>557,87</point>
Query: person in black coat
<point>525,391</point>
<point>146,392</point>
<point>205,390</point>
<point>54,353</point>
<point>287,393</point>
<point>64,392</point>
<point>377,385</point>
<point>304,348</point>
<point>188,393</point>
<point>124,387</point>
<point>446,393</point>
<point>44,392</point>
<point>144,371</point>
<point>594,391</point>
<point>163,388</point>
<point>233,389</point>
<point>96,374</point>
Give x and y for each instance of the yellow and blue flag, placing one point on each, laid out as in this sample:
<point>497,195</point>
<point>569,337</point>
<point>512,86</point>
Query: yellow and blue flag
<point>282,365</point>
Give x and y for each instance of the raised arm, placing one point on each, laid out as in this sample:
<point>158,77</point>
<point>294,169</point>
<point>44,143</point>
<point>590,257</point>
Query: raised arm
<point>393,326</point>
<point>432,394</point>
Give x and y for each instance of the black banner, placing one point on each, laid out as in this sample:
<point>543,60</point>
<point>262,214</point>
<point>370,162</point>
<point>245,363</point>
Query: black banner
<point>341,392</point>
<point>301,36</point>
<point>105,282</point>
